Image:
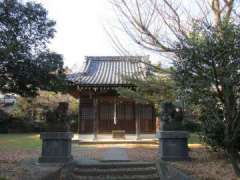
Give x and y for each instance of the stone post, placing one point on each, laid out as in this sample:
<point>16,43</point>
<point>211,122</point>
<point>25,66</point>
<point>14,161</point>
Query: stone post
<point>173,140</point>
<point>56,147</point>
<point>173,145</point>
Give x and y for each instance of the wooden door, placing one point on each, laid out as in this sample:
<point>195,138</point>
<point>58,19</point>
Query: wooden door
<point>106,113</point>
<point>86,115</point>
<point>125,117</point>
<point>147,119</point>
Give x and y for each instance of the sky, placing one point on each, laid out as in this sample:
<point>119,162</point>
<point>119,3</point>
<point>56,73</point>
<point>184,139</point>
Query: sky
<point>81,30</point>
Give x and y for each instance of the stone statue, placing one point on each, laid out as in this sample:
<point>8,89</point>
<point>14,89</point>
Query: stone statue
<point>57,120</point>
<point>173,140</point>
<point>57,140</point>
<point>170,117</point>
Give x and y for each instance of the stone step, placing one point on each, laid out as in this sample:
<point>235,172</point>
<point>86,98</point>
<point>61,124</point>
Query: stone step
<point>112,171</point>
<point>115,171</point>
<point>112,165</point>
<point>122,177</point>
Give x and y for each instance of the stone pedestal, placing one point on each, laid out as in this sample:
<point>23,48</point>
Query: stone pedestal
<point>173,145</point>
<point>56,147</point>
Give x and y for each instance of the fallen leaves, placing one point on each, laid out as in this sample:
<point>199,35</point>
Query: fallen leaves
<point>14,156</point>
<point>207,165</point>
<point>204,163</point>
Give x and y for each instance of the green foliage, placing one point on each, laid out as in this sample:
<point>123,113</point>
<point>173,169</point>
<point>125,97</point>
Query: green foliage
<point>191,125</point>
<point>213,129</point>
<point>207,72</point>
<point>194,139</point>
<point>4,117</point>
<point>191,121</point>
<point>3,178</point>
<point>29,114</point>
<point>26,64</point>
<point>155,88</point>
<point>37,106</point>
<point>21,108</point>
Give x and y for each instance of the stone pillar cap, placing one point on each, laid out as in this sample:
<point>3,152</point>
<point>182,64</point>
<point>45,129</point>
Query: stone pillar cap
<point>172,134</point>
<point>56,135</point>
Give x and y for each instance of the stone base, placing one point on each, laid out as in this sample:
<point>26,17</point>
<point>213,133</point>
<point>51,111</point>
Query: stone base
<point>173,145</point>
<point>33,170</point>
<point>56,147</point>
<point>55,159</point>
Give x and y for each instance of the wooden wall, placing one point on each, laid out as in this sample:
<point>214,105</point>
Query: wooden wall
<point>127,112</point>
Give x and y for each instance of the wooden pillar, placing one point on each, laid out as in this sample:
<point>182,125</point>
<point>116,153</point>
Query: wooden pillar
<point>115,111</point>
<point>95,121</point>
<point>79,116</point>
<point>81,122</point>
<point>137,121</point>
<point>157,120</point>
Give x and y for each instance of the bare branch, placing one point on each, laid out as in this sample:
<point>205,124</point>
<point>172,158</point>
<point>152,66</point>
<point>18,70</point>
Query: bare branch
<point>157,25</point>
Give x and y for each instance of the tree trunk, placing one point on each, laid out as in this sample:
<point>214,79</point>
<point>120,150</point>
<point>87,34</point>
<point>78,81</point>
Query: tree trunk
<point>234,157</point>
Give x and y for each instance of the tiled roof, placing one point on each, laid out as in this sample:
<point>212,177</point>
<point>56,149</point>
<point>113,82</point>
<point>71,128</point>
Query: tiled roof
<point>110,70</point>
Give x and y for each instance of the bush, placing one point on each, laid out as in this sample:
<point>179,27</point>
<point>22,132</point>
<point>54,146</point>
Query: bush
<point>4,118</point>
<point>192,125</point>
<point>212,129</point>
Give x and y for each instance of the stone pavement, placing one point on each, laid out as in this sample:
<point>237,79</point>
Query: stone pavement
<point>115,154</point>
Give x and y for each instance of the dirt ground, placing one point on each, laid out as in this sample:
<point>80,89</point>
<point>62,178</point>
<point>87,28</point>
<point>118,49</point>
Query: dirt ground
<point>204,163</point>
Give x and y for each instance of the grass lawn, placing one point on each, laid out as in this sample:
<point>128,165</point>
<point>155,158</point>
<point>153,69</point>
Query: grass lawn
<point>194,139</point>
<point>32,141</point>
<point>2,178</point>
<point>19,142</point>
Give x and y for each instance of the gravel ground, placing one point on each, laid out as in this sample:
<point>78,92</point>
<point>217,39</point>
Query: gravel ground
<point>205,164</point>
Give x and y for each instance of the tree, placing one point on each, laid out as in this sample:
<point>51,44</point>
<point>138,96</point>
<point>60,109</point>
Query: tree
<point>208,71</point>
<point>203,44</point>
<point>26,64</point>
<point>157,25</point>
<point>30,111</point>
<point>154,88</point>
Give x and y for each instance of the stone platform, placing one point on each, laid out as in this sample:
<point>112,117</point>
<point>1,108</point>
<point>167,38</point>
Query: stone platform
<point>107,139</point>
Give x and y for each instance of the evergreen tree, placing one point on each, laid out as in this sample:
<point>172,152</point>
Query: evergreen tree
<point>208,73</point>
<point>26,64</point>
<point>156,87</point>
